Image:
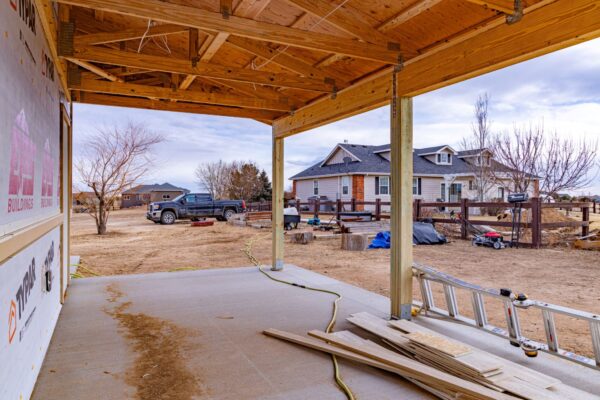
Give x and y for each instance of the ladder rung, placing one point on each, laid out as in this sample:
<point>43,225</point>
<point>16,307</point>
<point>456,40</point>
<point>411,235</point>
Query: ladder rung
<point>450,294</point>
<point>595,331</point>
<point>427,294</point>
<point>550,327</point>
<point>512,321</point>
<point>479,309</point>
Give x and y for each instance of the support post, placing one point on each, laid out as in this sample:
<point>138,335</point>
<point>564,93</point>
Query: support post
<point>464,211</point>
<point>353,204</point>
<point>338,209</point>
<point>277,202</point>
<point>378,209</point>
<point>585,217</point>
<point>536,222</point>
<point>401,206</point>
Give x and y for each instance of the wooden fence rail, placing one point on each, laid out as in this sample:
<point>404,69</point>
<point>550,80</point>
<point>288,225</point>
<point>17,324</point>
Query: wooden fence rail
<point>535,206</point>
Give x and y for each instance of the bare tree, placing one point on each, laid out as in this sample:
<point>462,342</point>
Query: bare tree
<point>112,161</point>
<point>567,164</point>
<point>518,153</point>
<point>215,177</point>
<point>481,139</point>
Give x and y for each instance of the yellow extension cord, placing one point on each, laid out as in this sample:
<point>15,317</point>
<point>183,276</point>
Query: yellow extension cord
<point>336,369</point>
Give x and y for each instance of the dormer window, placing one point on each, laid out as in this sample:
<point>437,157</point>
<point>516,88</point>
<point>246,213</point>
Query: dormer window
<point>444,158</point>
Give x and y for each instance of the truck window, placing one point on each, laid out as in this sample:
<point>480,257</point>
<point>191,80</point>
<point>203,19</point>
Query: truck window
<point>190,198</point>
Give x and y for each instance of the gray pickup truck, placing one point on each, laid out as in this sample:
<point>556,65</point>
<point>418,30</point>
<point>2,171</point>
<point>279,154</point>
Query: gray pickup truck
<point>193,206</point>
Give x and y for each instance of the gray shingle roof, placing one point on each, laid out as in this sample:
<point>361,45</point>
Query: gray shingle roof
<point>157,187</point>
<point>373,163</point>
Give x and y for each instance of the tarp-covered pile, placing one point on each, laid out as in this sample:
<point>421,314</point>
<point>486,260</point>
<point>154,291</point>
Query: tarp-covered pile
<point>423,233</point>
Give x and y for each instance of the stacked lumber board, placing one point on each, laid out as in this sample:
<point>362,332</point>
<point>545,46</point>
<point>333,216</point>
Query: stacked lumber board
<point>447,368</point>
<point>258,216</point>
<point>371,227</point>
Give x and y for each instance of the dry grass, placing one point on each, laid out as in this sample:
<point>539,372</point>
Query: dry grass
<point>561,276</point>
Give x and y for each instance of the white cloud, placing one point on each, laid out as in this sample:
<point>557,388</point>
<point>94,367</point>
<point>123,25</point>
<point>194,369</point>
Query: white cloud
<point>561,89</point>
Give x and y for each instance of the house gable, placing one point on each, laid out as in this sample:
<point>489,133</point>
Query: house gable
<point>337,156</point>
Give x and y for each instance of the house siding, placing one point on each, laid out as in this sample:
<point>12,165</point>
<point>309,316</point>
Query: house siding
<point>329,187</point>
<point>338,157</point>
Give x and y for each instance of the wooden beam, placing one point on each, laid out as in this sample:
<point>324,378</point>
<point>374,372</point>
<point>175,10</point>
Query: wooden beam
<point>196,18</point>
<point>547,26</point>
<point>192,96</point>
<point>96,70</point>
<point>407,14</point>
<point>17,241</point>
<point>346,18</point>
<point>206,54</point>
<point>127,34</point>
<point>280,58</point>
<point>401,135</point>
<point>278,192</point>
<point>183,66</point>
<point>493,6</point>
<point>262,92</point>
<point>251,8</point>
<point>46,15</point>
<point>180,106</point>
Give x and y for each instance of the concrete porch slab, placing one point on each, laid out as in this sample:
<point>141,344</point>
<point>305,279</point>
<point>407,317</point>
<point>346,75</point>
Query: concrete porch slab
<point>219,315</point>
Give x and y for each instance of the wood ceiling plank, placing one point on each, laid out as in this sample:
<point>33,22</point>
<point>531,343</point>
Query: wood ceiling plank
<point>192,96</point>
<point>127,34</point>
<point>346,18</point>
<point>407,14</point>
<point>183,66</point>
<point>251,8</point>
<point>196,18</point>
<point>134,102</point>
<point>547,26</point>
<point>493,6</point>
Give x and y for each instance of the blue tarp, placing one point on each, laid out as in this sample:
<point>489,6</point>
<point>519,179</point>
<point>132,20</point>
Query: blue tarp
<point>423,233</point>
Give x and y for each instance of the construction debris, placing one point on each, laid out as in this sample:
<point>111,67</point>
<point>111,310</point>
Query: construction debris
<point>302,237</point>
<point>589,242</point>
<point>445,367</point>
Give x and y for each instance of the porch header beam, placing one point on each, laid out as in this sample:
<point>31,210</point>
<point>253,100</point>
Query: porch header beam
<point>192,96</point>
<point>134,102</point>
<point>547,26</point>
<point>184,66</point>
<point>196,18</point>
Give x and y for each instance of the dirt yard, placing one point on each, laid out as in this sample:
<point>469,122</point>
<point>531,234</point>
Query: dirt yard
<point>561,276</point>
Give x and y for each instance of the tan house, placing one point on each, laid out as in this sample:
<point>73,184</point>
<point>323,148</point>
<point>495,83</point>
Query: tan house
<point>146,194</point>
<point>362,172</point>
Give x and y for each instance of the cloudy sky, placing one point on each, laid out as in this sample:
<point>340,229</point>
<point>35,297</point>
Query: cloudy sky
<point>562,90</point>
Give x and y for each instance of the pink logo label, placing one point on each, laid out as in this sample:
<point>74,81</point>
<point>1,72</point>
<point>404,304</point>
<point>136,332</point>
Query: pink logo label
<point>22,166</point>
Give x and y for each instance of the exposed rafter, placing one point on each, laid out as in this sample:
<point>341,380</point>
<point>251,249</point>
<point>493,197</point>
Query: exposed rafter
<point>134,102</point>
<point>128,34</point>
<point>407,14</point>
<point>192,96</point>
<point>196,18</point>
<point>493,6</point>
<point>251,8</point>
<point>182,66</point>
<point>346,18</point>
<point>96,70</point>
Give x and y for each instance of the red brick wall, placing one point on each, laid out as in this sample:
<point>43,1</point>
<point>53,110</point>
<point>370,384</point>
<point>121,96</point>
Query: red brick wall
<point>358,190</point>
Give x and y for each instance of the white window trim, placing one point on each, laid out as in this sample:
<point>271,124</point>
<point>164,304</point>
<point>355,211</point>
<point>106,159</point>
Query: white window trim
<point>416,186</point>
<point>381,185</point>
<point>346,180</point>
<point>315,187</point>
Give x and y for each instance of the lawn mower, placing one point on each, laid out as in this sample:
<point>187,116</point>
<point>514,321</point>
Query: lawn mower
<point>480,238</point>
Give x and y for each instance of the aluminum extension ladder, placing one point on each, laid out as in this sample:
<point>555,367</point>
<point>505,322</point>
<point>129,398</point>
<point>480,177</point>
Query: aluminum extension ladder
<point>425,275</point>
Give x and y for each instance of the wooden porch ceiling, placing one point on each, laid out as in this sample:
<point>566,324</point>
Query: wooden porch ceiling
<point>296,64</point>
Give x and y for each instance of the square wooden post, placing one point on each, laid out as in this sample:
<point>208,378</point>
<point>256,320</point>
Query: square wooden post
<point>401,294</point>
<point>277,201</point>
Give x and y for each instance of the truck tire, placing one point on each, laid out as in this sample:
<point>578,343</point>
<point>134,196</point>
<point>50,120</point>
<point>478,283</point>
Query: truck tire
<point>228,214</point>
<point>167,218</point>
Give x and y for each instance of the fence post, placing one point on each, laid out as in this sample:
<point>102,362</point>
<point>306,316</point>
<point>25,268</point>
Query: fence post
<point>585,216</point>
<point>353,204</point>
<point>595,207</point>
<point>317,207</point>
<point>536,222</point>
<point>297,205</point>
<point>378,209</point>
<point>416,209</point>
<point>464,212</point>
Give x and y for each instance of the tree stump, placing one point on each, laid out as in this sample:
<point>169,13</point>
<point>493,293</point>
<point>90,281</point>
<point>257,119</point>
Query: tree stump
<point>302,237</point>
<point>355,241</point>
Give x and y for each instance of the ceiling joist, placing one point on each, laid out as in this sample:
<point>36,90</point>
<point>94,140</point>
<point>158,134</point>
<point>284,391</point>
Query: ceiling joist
<point>193,17</point>
<point>183,66</point>
<point>127,34</point>
<point>192,96</point>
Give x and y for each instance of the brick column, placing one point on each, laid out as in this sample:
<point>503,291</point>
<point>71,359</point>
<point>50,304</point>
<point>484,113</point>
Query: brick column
<point>358,190</point>
<point>294,189</point>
